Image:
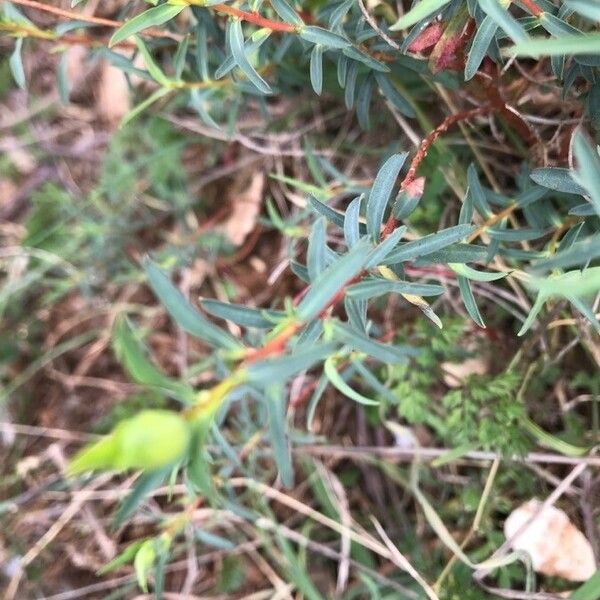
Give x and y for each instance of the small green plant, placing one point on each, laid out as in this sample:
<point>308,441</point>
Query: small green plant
<point>532,231</point>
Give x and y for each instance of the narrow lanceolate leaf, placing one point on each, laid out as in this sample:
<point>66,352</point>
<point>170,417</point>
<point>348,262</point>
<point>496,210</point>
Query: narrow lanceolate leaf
<point>421,10</point>
<point>497,10</point>
<point>142,106</point>
<point>131,354</point>
<point>351,222</point>
<point>287,13</point>
<point>381,193</point>
<point>371,288</point>
<point>236,40</point>
<point>318,35</point>
<point>242,315</point>
<point>390,93</point>
<point>480,202</point>
<point>469,273</point>
<point>278,434</point>
<point>316,257</point>
<point>588,168</point>
<point>16,64</point>
<point>149,18</point>
<point>183,313</point>
<point>558,179</point>
<point>337,381</point>
<point>154,70</point>
<point>380,252</point>
<point>428,244</point>
<point>481,42</point>
<point>588,43</point>
<point>590,9</point>
<point>386,353</point>
<point>469,300</point>
<point>272,370</point>
<point>316,68</point>
<point>332,280</point>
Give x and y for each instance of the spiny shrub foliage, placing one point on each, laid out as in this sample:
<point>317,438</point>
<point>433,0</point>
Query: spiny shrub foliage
<point>544,228</point>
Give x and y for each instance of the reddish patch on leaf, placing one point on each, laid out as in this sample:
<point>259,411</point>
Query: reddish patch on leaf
<point>415,188</point>
<point>427,38</point>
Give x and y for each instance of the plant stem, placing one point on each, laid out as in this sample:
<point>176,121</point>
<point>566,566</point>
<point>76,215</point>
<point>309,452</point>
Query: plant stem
<point>533,7</point>
<point>253,17</point>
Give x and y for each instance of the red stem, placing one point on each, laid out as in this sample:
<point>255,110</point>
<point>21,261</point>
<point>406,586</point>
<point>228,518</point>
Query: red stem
<point>255,18</point>
<point>533,7</point>
<point>424,149</point>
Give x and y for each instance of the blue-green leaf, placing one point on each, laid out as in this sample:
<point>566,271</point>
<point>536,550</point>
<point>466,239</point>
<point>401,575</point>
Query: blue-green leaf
<point>498,12</point>
<point>316,68</point>
<point>390,93</point>
<point>371,288</point>
<point>428,244</point>
<point>273,370</point>
<point>469,300</point>
<point>318,35</point>
<point>585,44</point>
<point>287,13</point>
<point>149,18</point>
<point>236,40</point>
<point>184,314</point>
<point>558,179</point>
<point>587,172</point>
<point>242,315</point>
<point>16,64</point>
<point>469,273</point>
<point>381,193</point>
<point>276,411</point>
<point>316,258</point>
<point>421,10</point>
<point>481,42</point>
<point>379,253</point>
<point>332,280</point>
<point>352,223</point>
<point>154,70</point>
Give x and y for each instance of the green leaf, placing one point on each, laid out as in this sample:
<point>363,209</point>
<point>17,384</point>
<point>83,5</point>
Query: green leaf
<point>180,56</point>
<point>337,382</point>
<point>469,300</point>
<point>273,370</point>
<point>143,562</point>
<point>149,18</point>
<point>121,559</point>
<point>287,13</point>
<point>316,256</point>
<point>382,250</point>
<point>236,40</point>
<point>386,353</point>
<point>332,280</point>
<point>276,411</point>
<point>142,106</point>
<point>154,70</point>
<point>16,65</point>
<point>477,194</point>
<point>590,590</point>
<point>456,253</point>
<point>381,193</point>
<point>242,315</point>
<point>130,353</point>
<point>497,10</point>
<point>590,9</point>
<point>429,243</point>
<point>352,222</point>
<point>141,489</point>
<point>318,35</point>
<point>371,288</point>
<point>558,179</point>
<point>469,273</point>
<point>421,10</point>
<point>588,43</point>
<point>587,172</point>
<point>211,539</point>
<point>316,68</point>
<point>187,317</point>
<point>390,93</point>
<point>62,79</point>
<point>481,42</point>
<point>366,59</point>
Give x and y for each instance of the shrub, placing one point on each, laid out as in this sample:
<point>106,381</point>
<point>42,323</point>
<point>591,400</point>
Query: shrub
<point>530,225</point>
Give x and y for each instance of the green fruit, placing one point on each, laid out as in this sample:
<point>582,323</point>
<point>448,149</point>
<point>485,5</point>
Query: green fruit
<point>150,440</point>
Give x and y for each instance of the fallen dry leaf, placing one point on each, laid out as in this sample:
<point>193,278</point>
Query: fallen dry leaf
<point>112,97</point>
<point>245,208</point>
<point>556,546</point>
<point>456,373</point>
